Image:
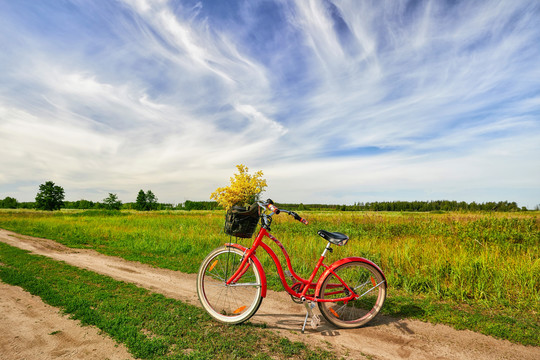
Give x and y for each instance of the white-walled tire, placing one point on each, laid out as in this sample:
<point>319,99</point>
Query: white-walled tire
<point>366,281</point>
<point>233,303</point>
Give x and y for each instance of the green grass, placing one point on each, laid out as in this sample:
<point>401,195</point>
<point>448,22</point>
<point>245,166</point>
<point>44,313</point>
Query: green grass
<point>501,323</point>
<point>469,270</point>
<point>150,325</point>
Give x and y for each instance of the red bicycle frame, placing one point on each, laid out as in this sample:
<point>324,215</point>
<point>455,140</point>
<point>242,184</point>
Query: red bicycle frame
<point>249,254</point>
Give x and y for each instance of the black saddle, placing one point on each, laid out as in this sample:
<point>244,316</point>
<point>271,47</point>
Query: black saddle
<point>334,237</point>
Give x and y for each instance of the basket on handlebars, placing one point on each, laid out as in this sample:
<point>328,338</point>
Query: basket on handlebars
<point>242,222</point>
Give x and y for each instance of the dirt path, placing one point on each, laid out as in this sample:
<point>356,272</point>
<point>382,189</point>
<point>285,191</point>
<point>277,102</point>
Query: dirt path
<point>385,338</point>
<point>33,330</point>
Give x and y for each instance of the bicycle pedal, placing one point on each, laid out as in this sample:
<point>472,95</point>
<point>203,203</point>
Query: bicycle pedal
<point>315,321</point>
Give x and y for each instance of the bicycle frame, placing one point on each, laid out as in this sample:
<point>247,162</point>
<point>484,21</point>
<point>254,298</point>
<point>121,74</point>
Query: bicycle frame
<point>307,284</point>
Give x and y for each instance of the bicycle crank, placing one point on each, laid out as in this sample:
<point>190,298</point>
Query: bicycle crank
<point>297,288</point>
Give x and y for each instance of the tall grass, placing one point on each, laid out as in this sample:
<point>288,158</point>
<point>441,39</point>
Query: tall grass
<point>489,260</point>
<point>455,256</point>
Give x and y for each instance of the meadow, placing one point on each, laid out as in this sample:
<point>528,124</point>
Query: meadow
<point>479,271</point>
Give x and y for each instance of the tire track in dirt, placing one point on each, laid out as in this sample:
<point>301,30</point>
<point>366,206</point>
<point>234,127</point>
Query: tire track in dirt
<point>384,338</point>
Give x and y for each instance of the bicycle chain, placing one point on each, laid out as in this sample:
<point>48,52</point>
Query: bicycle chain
<point>298,289</point>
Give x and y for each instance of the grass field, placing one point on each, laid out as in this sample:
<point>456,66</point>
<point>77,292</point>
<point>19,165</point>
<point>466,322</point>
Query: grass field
<point>469,270</point>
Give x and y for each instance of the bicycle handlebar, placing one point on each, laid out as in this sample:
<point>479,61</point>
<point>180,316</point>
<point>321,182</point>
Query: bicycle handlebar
<point>269,204</point>
<point>298,217</point>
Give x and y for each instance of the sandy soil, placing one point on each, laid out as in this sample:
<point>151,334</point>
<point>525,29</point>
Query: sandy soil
<point>33,330</point>
<point>384,338</point>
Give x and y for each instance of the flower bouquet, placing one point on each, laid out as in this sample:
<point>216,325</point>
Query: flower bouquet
<point>239,199</point>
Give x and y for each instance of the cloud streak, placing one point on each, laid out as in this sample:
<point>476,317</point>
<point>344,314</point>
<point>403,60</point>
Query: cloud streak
<point>337,101</point>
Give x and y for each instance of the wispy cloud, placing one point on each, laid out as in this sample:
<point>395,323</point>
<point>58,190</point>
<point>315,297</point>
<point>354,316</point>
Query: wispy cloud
<point>337,101</point>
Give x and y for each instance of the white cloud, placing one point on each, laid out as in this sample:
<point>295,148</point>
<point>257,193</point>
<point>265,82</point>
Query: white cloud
<point>155,93</point>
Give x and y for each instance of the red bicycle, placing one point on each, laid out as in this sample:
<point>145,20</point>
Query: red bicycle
<point>231,281</point>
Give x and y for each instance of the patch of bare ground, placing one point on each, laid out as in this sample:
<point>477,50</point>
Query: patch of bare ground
<point>32,329</point>
<point>384,338</point>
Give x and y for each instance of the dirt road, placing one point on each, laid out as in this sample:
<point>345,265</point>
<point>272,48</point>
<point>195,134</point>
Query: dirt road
<point>385,338</point>
<point>33,330</point>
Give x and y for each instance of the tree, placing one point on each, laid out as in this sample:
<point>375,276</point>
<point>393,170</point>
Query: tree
<point>140,203</point>
<point>146,201</point>
<point>8,203</point>
<point>85,204</point>
<point>111,202</point>
<point>151,201</point>
<point>50,197</point>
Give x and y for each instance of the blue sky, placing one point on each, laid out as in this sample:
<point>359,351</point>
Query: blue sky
<point>336,101</point>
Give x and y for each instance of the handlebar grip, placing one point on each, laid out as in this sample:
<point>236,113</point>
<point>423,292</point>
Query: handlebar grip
<point>299,218</point>
<point>273,208</point>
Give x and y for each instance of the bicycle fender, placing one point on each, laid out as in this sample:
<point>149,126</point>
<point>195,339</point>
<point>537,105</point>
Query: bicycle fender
<point>341,262</point>
<point>257,265</point>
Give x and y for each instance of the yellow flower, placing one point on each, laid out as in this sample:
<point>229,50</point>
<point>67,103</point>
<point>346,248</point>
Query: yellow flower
<point>243,190</point>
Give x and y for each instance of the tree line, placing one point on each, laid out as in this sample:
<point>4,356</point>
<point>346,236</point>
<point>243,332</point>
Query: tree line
<point>415,206</point>
<point>51,197</point>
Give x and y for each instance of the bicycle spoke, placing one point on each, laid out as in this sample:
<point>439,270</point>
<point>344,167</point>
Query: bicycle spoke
<point>373,288</point>
<point>244,284</point>
<point>361,285</point>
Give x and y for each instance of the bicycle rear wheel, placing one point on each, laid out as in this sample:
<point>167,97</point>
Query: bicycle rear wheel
<point>233,303</point>
<point>366,281</point>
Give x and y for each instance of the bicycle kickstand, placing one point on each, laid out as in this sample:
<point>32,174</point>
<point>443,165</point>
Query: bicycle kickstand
<point>315,318</point>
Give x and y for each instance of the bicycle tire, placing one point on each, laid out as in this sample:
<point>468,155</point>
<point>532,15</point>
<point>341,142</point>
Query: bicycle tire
<point>366,281</point>
<point>234,303</point>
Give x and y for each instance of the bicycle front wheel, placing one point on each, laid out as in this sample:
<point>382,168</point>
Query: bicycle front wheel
<point>233,303</point>
<point>364,280</point>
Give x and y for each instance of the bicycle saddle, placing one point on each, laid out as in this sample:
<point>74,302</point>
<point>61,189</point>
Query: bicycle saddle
<point>334,237</point>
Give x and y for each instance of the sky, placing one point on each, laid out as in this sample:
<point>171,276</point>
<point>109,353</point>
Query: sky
<point>336,102</point>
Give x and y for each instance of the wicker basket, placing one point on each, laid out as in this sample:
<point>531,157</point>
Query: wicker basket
<point>242,222</point>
